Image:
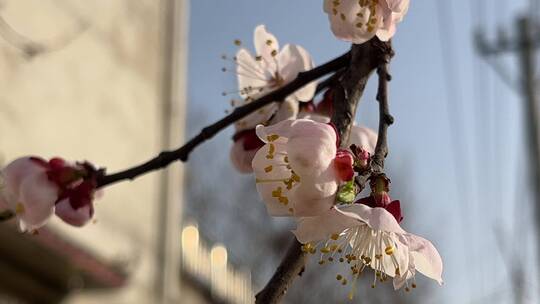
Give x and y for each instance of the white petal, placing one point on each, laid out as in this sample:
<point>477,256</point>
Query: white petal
<point>250,74</point>
<point>344,21</point>
<point>364,138</point>
<point>376,218</point>
<point>15,172</point>
<point>288,109</point>
<point>268,181</point>
<point>426,257</point>
<point>78,217</point>
<point>307,92</point>
<point>318,228</point>
<point>38,196</point>
<point>265,44</point>
<point>258,117</point>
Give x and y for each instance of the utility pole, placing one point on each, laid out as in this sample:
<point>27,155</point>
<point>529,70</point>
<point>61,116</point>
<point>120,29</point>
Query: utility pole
<point>524,44</point>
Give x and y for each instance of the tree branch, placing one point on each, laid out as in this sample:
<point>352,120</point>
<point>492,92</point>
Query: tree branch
<point>182,153</point>
<point>365,58</point>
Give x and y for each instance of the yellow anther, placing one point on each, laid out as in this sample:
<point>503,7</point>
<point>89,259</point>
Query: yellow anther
<point>277,192</point>
<point>341,260</point>
<point>359,25</point>
<point>413,285</point>
<point>286,159</point>
<point>312,250</point>
<point>407,289</point>
<point>325,250</point>
<point>19,208</point>
<point>330,259</point>
<point>339,277</point>
<point>334,236</point>
<point>389,250</point>
<point>295,177</point>
<point>372,285</point>
<point>271,149</point>
<point>268,169</point>
<point>398,273</point>
<point>344,282</point>
<point>334,11</point>
<point>333,247</point>
<point>378,256</point>
<point>272,137</point>
<point>284,200</point>
<point>273,53</point>
<point>291,210</point>
<point>258,58</point>
<point>321,262</point>
<point>342,16</point>
<point>268,42</point>
<point>237,42</point>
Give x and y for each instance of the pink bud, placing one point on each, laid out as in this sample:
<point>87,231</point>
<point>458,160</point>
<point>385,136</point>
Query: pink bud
<point>343,164</point>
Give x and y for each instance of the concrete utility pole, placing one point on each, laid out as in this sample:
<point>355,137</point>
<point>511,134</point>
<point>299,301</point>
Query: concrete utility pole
<point>525,43</point>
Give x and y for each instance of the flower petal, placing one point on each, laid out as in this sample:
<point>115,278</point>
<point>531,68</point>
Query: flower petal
<point>318,228</point>
<point>250,74</point>
<point>426,257</point>
<point>37,195</point>
<point>75,217</point>
<point>364,138</point>
<point>265,44</point>
<point>376,218</point>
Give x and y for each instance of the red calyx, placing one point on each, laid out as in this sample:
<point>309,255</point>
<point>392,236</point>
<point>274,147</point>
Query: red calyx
<point>394,207</point>
<point>250,140</point>
<point>343,163</point>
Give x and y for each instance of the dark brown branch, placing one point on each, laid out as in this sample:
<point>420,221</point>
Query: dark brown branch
<point>182,153</point>
<point>365,58</point>
<point>385,119</point>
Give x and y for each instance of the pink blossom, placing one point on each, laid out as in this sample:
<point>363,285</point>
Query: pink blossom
<point>294,170</point>
<point>370,237</point>
<point>358,21</point>
<point>270,69</point>
<point>33,187</point>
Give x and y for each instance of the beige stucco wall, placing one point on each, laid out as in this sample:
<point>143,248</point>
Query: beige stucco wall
<point>96,98</point>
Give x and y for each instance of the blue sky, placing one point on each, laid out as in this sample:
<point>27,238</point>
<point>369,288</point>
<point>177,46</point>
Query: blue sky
<point>457,127</point>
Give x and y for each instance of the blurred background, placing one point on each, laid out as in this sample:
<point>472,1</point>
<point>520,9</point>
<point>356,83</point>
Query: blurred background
<point>117,81</point>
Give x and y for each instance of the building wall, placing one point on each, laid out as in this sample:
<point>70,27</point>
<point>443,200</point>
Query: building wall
<point>95,93</point>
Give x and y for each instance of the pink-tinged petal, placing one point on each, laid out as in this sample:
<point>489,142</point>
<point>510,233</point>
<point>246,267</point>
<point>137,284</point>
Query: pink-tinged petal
<point>256,118</point>
<point>318,228</point>
<point>427,259</point>
<point>314,116</point>
<point>364,138</point>
<point>18,170</point>
<point>269,174</point>
<point>315,195</point>
<point>307,92</point>
<point>265,45</point>
<point>242,158</point>
<point>376,218</point>
<point>398,6</point>
<point>283,129</point>
<point>311,147</point>
<point>288,109</point>
<point>75,217</point>
<point>250,74</point>
<point>37,196</point>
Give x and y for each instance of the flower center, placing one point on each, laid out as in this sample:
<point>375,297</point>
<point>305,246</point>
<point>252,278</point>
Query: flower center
<point>360,247</point>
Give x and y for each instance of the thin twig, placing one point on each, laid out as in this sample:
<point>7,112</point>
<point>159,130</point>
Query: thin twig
<point>182,153</point>
<point>365,58</point>
<point>385,120</point>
